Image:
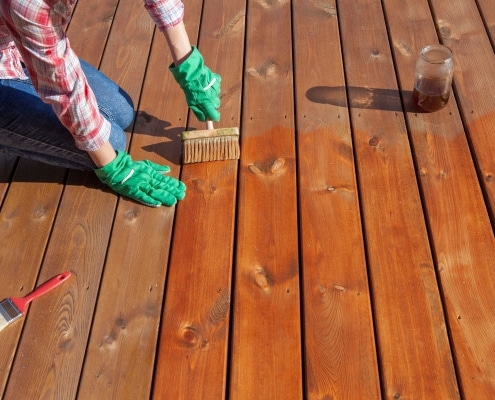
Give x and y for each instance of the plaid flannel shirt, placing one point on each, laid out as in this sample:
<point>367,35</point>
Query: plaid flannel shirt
<point>33,32</point>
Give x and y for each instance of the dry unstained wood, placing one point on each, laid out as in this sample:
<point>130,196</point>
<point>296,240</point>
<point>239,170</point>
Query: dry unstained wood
<point>121,350</point>
<point>413,346</point>
<point>266,343</point>
<point>79,243</point>
<point>195,328</point>
<point>26,221</point>
<point>53,342</point>
<point>339,340</point>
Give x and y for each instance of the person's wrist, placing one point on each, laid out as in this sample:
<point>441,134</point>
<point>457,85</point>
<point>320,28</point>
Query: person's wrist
<point>104,155</point>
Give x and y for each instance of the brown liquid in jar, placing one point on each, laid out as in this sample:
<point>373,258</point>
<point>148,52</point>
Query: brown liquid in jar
<point>431,94</point>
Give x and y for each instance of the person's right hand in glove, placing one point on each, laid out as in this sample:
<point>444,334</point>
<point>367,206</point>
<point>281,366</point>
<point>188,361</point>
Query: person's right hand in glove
<point>143,181</point>
<point>201,86</point>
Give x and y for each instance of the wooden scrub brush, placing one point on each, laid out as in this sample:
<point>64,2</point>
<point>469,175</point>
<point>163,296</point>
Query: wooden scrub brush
<point>210,144</point>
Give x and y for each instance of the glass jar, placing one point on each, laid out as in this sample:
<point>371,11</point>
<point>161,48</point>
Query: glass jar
<point>433,78</point>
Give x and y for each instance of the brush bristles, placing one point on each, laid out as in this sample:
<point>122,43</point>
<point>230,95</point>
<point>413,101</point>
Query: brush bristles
<point>211,149</point>
<point>210,145</point>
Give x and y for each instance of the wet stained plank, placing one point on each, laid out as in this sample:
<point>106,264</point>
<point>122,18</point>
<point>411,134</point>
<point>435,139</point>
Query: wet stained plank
<point>407,303</point>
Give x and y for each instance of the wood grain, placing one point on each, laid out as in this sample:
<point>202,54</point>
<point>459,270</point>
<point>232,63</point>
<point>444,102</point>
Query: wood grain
<point>349,254</point>
<point>339,338</point>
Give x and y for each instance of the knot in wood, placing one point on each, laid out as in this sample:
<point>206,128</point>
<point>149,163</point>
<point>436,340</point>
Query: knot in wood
<point>374,141</point>
<point>340,288</point>
<point>277,165</point>
<point>445,32</point>
<point>190,336</point>
<point>67,344</point>
<point>131,214</point>
<point>121,323</point>
<point>40,212</point>
<point>269,169</point>
<point>262,279</point>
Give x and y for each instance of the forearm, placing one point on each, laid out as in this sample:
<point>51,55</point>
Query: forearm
<point>178,42</point>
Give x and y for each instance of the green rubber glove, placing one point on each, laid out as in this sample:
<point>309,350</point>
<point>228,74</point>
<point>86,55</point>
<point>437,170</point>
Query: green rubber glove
<point>142,181</point>
<point>200,85</point>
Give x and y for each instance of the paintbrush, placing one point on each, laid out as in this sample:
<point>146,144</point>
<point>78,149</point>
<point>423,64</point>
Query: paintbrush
<point>210,144</point>
<point>15,307</point>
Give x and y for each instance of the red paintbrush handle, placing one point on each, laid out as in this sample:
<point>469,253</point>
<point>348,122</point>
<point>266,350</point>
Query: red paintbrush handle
<point>21,303</point>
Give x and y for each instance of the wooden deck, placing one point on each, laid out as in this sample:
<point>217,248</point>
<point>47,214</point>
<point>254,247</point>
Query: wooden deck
<point>349,254</point>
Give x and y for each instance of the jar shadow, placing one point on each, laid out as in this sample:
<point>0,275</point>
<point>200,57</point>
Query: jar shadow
<point>364,98</point>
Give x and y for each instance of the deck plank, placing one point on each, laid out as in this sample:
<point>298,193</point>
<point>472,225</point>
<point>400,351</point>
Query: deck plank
<point>413,348</point>
<point>339,337</point>
<point>194,340</point>
<point>266,338</point>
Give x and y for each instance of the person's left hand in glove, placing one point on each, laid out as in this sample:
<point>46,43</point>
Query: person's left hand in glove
<point>143,181</point>
<point>201,86</point>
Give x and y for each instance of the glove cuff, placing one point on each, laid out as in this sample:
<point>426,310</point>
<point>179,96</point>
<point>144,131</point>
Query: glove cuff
<point>185,70</point>
<point>106,172</point>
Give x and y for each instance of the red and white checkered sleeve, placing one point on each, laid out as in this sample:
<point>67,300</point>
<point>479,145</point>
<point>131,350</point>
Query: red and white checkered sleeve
<point>165,13</point>
<point>38,29</point>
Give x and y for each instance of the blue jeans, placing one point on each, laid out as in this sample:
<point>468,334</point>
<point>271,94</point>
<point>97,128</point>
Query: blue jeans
<point>30,128</point>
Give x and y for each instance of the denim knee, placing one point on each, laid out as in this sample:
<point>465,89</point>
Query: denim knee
<point>113,102</point>
<point>126,110</point>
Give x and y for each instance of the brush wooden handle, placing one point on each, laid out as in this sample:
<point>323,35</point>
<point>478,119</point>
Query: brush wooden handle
<point>209,125</point>
<point>22,303</point>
